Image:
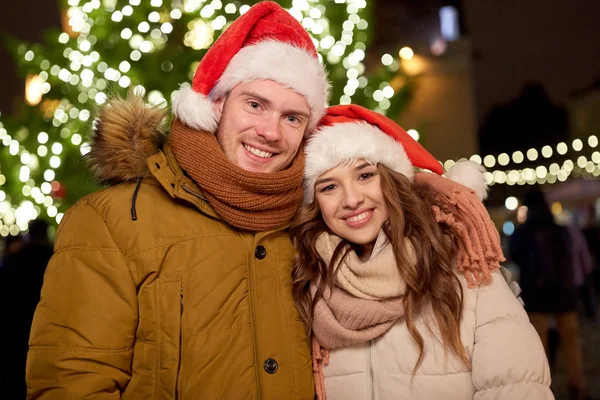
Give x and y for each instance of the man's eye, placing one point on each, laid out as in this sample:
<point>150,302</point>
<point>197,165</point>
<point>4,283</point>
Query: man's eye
<point>254,104</point>
<point>292,119</point>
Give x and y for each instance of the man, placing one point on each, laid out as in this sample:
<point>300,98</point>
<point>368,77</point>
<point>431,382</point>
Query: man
<point>175,281</point>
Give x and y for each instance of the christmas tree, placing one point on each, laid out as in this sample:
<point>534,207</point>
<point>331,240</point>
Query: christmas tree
<point>153,46</point>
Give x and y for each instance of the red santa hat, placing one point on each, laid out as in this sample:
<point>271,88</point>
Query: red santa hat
<point>264,43</point>
<point>351,132</point>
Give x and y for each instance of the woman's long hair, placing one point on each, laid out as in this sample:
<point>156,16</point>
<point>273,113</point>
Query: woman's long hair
<point>429,281</point>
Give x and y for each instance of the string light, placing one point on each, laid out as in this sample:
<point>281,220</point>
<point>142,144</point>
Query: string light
<point>34,89</point>
<point>406,53</point>
<point>539,174</point>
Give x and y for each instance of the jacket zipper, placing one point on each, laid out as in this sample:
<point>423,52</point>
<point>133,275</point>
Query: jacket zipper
<point>178,383</point>
<point>250,290</point>
<point>371,377</point>
<point>251,284</point>
<point>190,191</point>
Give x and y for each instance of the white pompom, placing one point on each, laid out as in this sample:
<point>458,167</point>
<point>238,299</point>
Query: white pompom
<point>469,174</point>
<point>195,110</point>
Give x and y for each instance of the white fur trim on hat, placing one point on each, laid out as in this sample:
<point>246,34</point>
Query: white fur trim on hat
<point>469,174</point>
<point>281,62</point>
<point>195,110</point>
<point>333,145</point>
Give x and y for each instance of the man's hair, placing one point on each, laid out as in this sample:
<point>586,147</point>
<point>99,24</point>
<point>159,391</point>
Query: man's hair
<point>429,281</point>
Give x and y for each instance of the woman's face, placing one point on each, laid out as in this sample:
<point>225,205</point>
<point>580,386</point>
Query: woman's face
<point>352,203</point>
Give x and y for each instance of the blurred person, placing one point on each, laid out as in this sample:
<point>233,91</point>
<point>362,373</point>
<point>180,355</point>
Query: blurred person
<point>549,258</point>
<point>12,244</point>
<point>174,282</point>
<point>583,267</point>
<point>397,275</point>
<point>20,285</point>
<point>592,236</point>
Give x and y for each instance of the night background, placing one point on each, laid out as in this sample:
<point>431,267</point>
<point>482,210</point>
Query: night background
<point>513,85</point>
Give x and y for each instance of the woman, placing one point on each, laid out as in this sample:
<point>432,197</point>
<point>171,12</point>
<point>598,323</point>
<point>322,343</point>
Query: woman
<point>397,274</point>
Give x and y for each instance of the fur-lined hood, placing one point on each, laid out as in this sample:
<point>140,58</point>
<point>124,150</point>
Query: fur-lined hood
<point>125,133</point>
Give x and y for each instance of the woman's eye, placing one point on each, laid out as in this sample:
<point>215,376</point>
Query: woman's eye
<point>365,176</point>
<point>292,119</point>
<point>327,188</point>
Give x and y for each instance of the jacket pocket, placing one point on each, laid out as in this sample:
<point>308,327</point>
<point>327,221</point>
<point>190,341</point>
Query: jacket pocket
<point>169,337</point>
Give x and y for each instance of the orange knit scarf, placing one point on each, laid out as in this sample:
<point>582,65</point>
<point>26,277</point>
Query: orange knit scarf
<point>250,201</point>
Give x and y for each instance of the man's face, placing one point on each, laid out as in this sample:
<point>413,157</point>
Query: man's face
<point>262,125</point>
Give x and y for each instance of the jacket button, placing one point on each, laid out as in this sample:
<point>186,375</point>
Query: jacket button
<point>271,366</point>
<point>260,252</point>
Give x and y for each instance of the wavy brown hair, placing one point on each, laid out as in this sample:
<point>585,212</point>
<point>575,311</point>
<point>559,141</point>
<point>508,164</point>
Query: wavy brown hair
<point>429,281</point>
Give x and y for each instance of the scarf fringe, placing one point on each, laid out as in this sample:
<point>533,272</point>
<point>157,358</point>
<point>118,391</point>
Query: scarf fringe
<point>320,359</point>
<point>478,241</point>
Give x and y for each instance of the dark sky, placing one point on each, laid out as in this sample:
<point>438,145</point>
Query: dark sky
<point>25,20</point>
<point>556,42</point>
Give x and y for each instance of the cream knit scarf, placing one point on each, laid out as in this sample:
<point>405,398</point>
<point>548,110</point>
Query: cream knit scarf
<point>366,299</point>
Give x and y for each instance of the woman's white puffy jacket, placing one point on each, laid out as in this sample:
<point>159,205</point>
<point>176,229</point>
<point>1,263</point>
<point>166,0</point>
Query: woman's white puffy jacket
<point>508,360</point>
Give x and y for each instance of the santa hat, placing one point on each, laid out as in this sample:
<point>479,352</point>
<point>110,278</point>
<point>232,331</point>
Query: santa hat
<point>351,132</point>
<point>264,43</point>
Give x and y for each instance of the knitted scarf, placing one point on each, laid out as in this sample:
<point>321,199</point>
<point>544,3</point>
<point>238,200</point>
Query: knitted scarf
<point>366,299</point>
<point>364,303</point>
<point>250,201</point>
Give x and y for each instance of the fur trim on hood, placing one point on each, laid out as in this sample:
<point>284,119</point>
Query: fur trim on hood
<point>125,133</point>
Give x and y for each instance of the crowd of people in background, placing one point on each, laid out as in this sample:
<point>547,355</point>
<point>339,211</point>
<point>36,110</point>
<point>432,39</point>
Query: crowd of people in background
<point>555,269</point>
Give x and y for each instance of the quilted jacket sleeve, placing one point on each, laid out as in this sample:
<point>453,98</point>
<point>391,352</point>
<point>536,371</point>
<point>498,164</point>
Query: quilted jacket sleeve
<point>84,326</point>
<point>508,357</point>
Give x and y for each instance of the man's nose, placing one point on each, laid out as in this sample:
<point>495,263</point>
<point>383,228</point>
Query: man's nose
<point>270,127</point>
